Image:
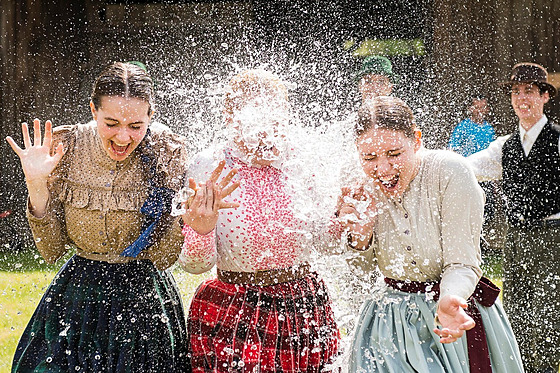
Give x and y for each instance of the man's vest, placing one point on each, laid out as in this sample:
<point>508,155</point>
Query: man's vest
<point>531,183</point>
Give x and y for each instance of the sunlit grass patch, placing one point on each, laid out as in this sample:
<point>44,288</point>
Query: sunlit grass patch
<point>25,276</point>
<point>20,293</point>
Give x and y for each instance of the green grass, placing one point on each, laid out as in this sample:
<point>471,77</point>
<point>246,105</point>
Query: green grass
<point>24,277</point>
<point>19,294</point>
<point>492,268</point>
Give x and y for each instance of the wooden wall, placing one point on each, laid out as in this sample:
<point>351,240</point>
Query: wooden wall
<point>41,68</point>
<point>477,42</point>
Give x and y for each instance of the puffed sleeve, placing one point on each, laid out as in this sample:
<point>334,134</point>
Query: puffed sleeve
<point>199,252</point>
<point>49,231</point>
<point>462,204</point>
<point>171,153</point>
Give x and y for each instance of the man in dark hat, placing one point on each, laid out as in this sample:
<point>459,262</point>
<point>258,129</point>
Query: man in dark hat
<point>528,162</point>
<point>376,77</point>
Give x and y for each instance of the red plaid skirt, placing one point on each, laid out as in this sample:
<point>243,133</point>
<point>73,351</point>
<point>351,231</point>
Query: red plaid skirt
<point>287,327</point>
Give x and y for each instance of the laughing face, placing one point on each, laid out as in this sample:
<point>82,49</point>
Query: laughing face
<point>528,103</point>
<point>389,158</point>
<point>122,123</point>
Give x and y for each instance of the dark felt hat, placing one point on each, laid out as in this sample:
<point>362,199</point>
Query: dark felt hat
<point>377,65</point>
<point>528,72</point>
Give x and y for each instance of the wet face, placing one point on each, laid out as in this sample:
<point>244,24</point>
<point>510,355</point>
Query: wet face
<point>121,124</point>
<point>528,103</point>
<point>256,125</point>
<point>373,85</point>
<point>389,158</point>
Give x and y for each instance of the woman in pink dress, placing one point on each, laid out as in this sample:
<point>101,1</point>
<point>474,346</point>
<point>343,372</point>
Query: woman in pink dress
<point>266,311</point>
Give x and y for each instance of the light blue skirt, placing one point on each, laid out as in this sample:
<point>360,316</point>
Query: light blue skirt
<point>394,334</point>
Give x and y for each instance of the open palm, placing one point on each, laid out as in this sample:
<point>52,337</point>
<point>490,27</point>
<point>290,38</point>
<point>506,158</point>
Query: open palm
<point>203,209</point>
<point>453,319</point>
<point>36,160</point>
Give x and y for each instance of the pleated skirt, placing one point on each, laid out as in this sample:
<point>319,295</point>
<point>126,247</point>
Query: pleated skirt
<point>287,327</point>
<point>102,317</point>
<point>394,334</point>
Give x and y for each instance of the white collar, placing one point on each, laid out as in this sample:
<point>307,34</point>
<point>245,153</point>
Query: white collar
<point>534,131</point>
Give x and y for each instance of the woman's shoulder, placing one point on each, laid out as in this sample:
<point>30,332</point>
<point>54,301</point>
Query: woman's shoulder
<point>64,133</point>
<point>72,136</point>
<point>448,170</point>
<point>444,158</point>
<point>445,163</point>
<point>170,151</point>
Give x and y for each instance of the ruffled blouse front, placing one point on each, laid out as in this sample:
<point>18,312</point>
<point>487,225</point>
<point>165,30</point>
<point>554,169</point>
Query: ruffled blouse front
<point>95,201</point>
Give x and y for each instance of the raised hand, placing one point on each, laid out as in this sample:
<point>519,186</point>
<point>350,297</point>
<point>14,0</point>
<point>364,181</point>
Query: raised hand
<point>202,210</point>
<point>36,161</point>
<point>453,318</point>
<point>356,212</point>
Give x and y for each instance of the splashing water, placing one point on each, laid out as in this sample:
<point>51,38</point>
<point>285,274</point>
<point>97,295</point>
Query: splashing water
<point>318,159</point>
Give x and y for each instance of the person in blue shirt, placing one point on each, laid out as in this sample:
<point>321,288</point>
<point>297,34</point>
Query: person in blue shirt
<point>474,133</point>
<point>470,136</point>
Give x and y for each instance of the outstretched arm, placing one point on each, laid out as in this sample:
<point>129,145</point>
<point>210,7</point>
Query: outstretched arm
<point>38,161</point>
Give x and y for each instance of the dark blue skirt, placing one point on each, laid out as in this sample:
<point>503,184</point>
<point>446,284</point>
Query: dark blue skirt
<point>102,317</point>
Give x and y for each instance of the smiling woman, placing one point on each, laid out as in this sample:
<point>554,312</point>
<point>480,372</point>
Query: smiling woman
<point>426,244</point>
<point>122,123</point>
<point>105,187</point>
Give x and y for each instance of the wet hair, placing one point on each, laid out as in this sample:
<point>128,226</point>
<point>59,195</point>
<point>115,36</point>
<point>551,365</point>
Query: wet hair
<point>385,112</point>
<point>123,79</point>
<point>251,84</point>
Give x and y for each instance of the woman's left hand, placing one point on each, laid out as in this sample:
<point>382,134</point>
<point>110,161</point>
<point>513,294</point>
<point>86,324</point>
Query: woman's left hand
<point>202,210</point>
<point>453,318</point>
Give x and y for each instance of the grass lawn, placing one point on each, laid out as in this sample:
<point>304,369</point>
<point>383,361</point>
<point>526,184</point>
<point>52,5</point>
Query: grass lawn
<point>23,280</point>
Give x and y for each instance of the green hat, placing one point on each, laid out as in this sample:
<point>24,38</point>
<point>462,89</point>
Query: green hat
<point>377,65</point>
<point>139,64</point>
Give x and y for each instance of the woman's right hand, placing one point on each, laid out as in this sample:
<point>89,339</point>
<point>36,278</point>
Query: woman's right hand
<point>358,221</point>
<point>203,209</point>
<point>36,161</point>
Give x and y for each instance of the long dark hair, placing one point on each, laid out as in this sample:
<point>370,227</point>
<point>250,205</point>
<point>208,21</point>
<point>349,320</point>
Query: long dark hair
<point>385,112</point>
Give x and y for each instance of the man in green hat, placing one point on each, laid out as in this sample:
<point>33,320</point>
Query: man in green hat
<point>375,78</point>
